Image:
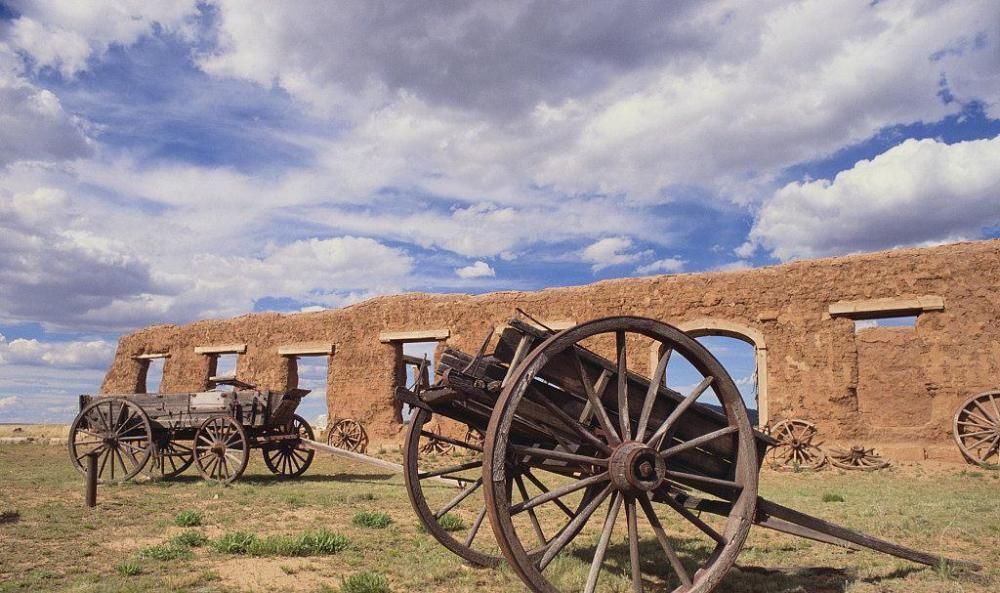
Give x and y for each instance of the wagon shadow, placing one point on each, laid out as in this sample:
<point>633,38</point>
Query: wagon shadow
<point>741,578</point>
<point>320,478</point>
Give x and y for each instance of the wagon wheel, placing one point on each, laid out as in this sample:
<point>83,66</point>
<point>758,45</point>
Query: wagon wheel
<point>433,498</point>
<point>118,432</point>
<point>436,445</point>
<point>349,434</point>
<point>474,436</point>
<point>170,458</point>
<point>638,451</point>
<point>977,429</point>
<point>795,449</point>
<point>221,449</point>
<point>288,458</point>
<point>857,458</point>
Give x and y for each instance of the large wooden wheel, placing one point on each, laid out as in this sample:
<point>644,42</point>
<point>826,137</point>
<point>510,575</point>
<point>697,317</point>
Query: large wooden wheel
<point>442,491</point>
<point>118,432</point>
<point>169,458</point>
<point>348,434</point>
<point>221,449</point>
<point>650,451</point>
<point>288,458</point>
<point>858,458</point>
<point>977,429</point>
<point>796,449</point>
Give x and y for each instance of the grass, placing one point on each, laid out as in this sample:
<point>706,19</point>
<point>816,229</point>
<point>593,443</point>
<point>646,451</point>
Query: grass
<point>59,546</point>
<point>372,520</point>
<point>311,543</point>
<point>450,522</point>
<point>365,582</point>
<point>187,519</point>
<point>832,497</point>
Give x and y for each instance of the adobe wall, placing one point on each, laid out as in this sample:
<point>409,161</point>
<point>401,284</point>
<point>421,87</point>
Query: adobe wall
<point>892,387</point>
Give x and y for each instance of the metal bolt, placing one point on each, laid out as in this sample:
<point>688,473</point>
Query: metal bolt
<point>646,470</point>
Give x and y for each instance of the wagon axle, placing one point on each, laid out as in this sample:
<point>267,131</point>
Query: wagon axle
<point>636,467</point>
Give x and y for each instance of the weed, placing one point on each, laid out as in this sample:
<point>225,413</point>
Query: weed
<point>365,582</point>
<point>168,551</point>
<point>189,539</point>
<point>128,568</point>
<point>237,542</point>
<point>831,497</point>
<point>450,522</point>
<point>372,520</point>
<point>312,543</point>
<point>188,519</point>
<point>945,570</point>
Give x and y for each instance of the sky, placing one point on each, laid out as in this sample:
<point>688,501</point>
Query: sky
<point>162,162</point>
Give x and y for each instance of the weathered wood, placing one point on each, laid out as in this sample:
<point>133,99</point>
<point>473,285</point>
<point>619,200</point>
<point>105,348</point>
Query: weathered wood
<point>421,335</point>
<point>221,349</point>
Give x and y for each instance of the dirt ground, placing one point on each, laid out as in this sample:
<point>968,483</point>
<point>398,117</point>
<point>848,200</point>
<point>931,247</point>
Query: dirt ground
<point>50,542</point>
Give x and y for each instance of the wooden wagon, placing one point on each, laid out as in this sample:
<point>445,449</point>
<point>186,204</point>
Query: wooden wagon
<point>165,433</point>
<point>576,422</point>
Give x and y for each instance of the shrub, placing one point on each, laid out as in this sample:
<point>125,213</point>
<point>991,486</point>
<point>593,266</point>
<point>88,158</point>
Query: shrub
<point>365,582</point>
<point>188,519</point>
<point>169,551</point>
<point>831,497</point>
<point>450,522</point>
<point>372,519</point>
<point>237,542</point>
<point>311,543</point>
<point>128,568</point>
<point>189,539</point>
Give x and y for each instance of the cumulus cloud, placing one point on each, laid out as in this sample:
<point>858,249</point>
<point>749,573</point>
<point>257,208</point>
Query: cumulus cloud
<point>7,402</point>
<point>480,269</point>
<point>669,265</point>
<point>92,354</point>
<point>611,251</point>
<point>921,191</point>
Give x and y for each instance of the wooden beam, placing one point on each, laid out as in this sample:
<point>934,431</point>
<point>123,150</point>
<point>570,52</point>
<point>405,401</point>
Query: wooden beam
<point>886,307</point>
<point>420,335</point>
<point>221,349</point>
<point>151,356</point>
<point>307,349</point>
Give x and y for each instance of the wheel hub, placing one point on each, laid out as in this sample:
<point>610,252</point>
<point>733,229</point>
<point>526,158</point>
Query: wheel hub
<point>636,467</point>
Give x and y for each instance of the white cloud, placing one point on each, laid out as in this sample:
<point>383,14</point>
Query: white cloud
<point>480,269</point>
<point>611,251</point>
<point>669,265</point>
<point>92,354</point>
<point>7,402</point>
<point>921,191</point>
<point>733,266</point>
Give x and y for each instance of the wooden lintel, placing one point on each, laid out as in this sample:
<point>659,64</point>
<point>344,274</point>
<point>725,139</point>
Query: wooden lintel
<point>307,349</point>
<point>221,349</point>
<point>886,307</point>
<point>420,335</point>
<point>151,356</point>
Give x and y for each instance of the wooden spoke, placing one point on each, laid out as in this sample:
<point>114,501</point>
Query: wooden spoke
<point>623,413</point>
<point>572,529</point>
<point>694,519</point>
<point>450,469</point>
<point>699,441</point>
<point>654,388</point>
<point>574,425</point>
<point>708,481</point>
<point>680,409</point>
<point>599,386</point>
<point>583,460</point>
<point>559,492</point>
<point>661,536</point>
<point>633,543</point>
<point>538,484</point>
<point>531,512</point>
<point>451,441</point>
<point>596,405</point>
<point>602,544</point>
<point>459,498</point>
<point>475,527</point>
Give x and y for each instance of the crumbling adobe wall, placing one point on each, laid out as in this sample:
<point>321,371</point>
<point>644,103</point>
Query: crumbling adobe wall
<point>897,388</point>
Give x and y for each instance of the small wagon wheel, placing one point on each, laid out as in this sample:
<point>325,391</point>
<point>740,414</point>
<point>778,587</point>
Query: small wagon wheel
<point>426,484</point>
<point>221,449</point>
<point>857,458</point>
<point>436,445</point>
<point>118,432</point>
<point>170,458</point>
<point>288,458</point>
<point>348,434</point>
<point>644,451</point>
<point>977,428</point>
<point>795,449</point>
<point>474,436</point>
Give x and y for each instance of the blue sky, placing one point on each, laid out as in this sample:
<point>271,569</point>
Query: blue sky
<point>170,161</point>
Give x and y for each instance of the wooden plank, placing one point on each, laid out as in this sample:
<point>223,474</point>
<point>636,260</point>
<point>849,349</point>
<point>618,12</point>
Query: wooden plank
<point>420,335</point>
<point>151,356</point>
<point>886,307</point>
<point>221,349</point>
<point>307,349</point>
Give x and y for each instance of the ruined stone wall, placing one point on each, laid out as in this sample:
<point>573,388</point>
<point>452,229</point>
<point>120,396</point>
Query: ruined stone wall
<point>893,387</point>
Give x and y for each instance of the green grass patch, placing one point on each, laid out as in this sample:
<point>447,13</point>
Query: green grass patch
<point>365,582</point>
<point>188,519</point>
<point>168,551</point>
<point>372,520</point>
<point>832,497</point>
<point>189,539</point>
<point>451,522</point>
<point>128,568</point>
<point>311,543</point>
